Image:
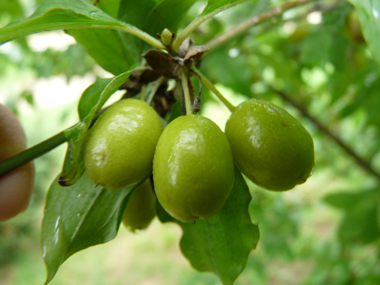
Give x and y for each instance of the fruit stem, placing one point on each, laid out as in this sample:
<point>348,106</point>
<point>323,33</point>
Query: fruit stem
<point>31,153</point>
<point>186,93</point>
<point>213,89</point>
<point>142,92</point>
<point>199,20</point>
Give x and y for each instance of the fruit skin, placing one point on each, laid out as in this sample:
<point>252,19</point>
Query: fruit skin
<point>193,168</point>
<point>120,146</point>
<point>269,145</point>
<point>16,187</point>
<point>141,208</point>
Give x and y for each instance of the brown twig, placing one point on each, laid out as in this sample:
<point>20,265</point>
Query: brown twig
<point>360,161</point>
<point>237,30</point>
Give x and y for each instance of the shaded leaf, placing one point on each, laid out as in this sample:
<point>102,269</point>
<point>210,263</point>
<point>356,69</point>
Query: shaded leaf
<point>369,16</point>
<point>360,223</point>
<point>346,200</point>
<point>78,217</point>
<point>107,48</point>
<point>152,17</point>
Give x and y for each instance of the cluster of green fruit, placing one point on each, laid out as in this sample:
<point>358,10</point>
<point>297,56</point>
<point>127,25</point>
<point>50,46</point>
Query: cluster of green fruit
<point>192,159</point>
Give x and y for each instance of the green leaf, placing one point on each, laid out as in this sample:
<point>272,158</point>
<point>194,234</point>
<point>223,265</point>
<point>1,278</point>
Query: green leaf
<point>66,14</point>
<point>213,5</point>
<point>59,14</point>
<point>154,16</point>
<point>360,223</point>
<point>346,200</point>
<point>94,97</point>
<point>369,16</point>
<point>222,243</point>
<point>78,217</point>
<point>151,17</point>
<point>111,7</point>
<point>109,51</point>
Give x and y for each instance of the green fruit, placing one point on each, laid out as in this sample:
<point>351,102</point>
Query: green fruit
<point>141,208</point>
<point>120,146</point>
<point>193,168</point>
<point>270,146</point>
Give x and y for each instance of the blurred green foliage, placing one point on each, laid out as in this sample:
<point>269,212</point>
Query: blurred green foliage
<point>324,232</point>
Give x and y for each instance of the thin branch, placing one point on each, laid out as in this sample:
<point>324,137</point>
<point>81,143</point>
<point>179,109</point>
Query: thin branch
<point>360,161</point>
<point>239,29</point>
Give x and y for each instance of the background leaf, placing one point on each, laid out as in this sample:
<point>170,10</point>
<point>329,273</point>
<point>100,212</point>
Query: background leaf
<point>347,200</point>
<point>213,5</point>
<point>369,15</point>
<point>78,217</point>
<point>360,224</point>
<point>222,243</point>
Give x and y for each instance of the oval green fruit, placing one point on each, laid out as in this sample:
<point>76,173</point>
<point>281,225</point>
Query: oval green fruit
<point>141,209</point>
<point>120,146</point>
<point>193,168</point>
<point>269,145</point>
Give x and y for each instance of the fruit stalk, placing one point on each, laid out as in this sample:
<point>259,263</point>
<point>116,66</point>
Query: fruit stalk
<point>142,93</point>
<point>186,93</point>
<point>213,89</point>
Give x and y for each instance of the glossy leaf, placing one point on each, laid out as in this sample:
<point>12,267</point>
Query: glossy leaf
<point>222,243</point>
<point>59,14</point>
<point>78,217</point>
<point>369,16</point>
